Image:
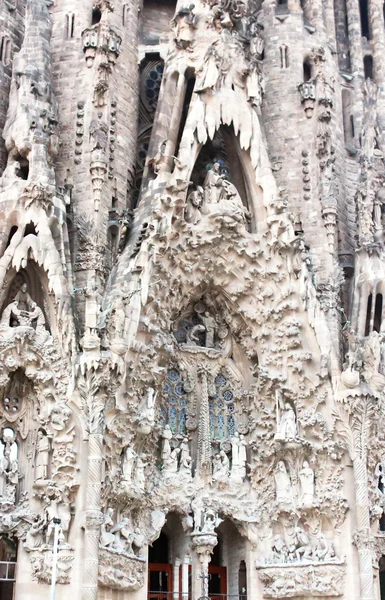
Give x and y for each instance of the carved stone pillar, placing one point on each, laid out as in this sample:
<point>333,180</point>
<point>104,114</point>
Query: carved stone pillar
<point>204,444</point>
<point>185,569</point>
<point>175,577</point>
<point>94,401</point>
<point>203,545</point>
<point>98,170</point>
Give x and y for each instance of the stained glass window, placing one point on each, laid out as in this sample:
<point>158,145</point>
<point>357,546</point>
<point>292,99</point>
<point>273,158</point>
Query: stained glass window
<point>222,410</point>
<point>173,412</point>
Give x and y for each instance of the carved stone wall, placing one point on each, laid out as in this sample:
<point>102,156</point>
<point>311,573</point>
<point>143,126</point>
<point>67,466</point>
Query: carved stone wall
<point>191,317</point>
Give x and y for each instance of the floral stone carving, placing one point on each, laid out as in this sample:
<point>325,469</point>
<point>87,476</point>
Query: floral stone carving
<point>120,571</point>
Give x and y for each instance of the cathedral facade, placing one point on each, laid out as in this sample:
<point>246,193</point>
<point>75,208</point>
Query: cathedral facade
<point>192,319</point>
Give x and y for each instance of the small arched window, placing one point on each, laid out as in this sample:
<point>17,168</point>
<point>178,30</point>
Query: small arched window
<point>125,14</point>
<point>284,54</point>
<point>70,26</point>
<point>5,51</point>
<point>307,70</point>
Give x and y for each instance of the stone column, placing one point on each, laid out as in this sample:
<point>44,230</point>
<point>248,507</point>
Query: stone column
<point>185,570</point>
<point>175,577</point>
<point>378,34</point>
<point>204,443</point>
<point>94,407</point>
<point>203,545</point>
<point>355,37</point>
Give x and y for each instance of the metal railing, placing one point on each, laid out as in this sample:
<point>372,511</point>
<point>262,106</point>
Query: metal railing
<point>7,571</point>
<point>180,596</point>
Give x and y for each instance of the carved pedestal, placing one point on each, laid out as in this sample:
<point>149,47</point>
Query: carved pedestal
<point>120,571</point>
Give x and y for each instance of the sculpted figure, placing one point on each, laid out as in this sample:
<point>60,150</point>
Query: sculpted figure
<point>283,487</point>
<point>210,521</point>
<point>128,463</point>
<point>107,538</point>
<point>238,451</point>
<point>211,326</point>
<point>279,550</point>
<point>306,477</point>
<point>140,479</point>
<point>304,548</point>
<point>122,534</point>
<point>23,311</point>
<point>184,22</point>
<point>287,430</point>
<point>213,187</point>
<point>194,205</point>
<point>324,550</point>
<point>221,467</point>
<point>166,448</point>
<point>170,465</point>
<point>197,505</point>
<point>42,456</point>
<point>34,537</point>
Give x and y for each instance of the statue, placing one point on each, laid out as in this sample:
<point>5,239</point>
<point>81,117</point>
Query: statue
<point>107,538</point>
<point>306,477</point>
<point>304,549</point>
<point>128,464</point>
<point>287,430</point>
<point>283,487</point>
<point>170,465</point>
<point>210,325</point>
<point>210,521</point>
<point>197,505</point>
<point>213,187</point>
<point>183,23</point>
<point>221,467</point>
<point>34,536</point>
<point>238,454</point>
<point>324,549</point>
<point>42,456</point>
<point>24,312</point>
<point>279,551</point>
<point>122,534</point>
<point>193,213</point>
<point>166,448</point>
<point>139,478</point>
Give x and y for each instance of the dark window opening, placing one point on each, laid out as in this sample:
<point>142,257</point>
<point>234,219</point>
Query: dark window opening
<point>11,234</point>
<point>30,229</point>
<point>368,314</point>
<point>352,130</point>
<point>368,66</point>
<point>8,558</point>
<point>282,3</point>
<point>96,16</point>
<point>242,581</point>
<point>284,53</point>
<point>22,170</point>
<point>186,106</point>
<point>378,313</point>
<point>306,70</point>
<point>364,14</point>
<point>70,26</point>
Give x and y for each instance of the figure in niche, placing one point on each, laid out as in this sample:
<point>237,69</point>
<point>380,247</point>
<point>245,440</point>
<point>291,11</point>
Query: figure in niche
<point>221,468</point>
<point>210,325</point>
<point>139,476</point>
<point>128,464</point>
<point>184,23</point>
<point>34,538</point>
<point>221,197</point>
<point>306,477</point>
<point>287,427</point>
<point>208,74</point>
<point>185,466</point>
<point>193,213</point>
<point>239,459</point>
<point>166,447</point>
<point>304,549</point>
<point>324,549</point>
<point>24,312</point>
<point>170,465</point>
<point>9,467</point>
<point>146,419</point>
<point>98,133</point>
<point>279,554</point>
<point>284,492</point>
<point>210,521</point>
<point>42,456</point>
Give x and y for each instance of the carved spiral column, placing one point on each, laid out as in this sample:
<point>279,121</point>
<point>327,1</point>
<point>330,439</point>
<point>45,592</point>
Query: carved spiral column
<point>365,553</point>
<point>204,445</point>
